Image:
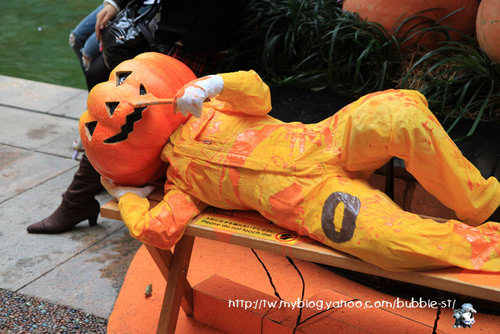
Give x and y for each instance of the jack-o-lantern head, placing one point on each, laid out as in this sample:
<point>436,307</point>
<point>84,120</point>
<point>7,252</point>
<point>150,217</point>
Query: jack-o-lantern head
<point>122,140</point>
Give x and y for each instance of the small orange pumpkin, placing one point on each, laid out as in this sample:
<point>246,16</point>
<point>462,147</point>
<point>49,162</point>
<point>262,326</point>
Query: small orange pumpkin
<point>122,141</point>
<point>391,13</point>
<point>488,28</point>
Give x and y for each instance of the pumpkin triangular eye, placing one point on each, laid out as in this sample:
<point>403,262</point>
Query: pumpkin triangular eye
<point>90,126</point>
<point>110,107</point>
<point>142,90</point>
<point>121,77</point>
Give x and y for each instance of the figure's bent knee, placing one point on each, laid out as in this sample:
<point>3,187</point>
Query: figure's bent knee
<point>407,108</point>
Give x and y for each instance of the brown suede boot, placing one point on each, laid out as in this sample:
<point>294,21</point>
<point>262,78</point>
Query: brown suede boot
<point>78,203</point>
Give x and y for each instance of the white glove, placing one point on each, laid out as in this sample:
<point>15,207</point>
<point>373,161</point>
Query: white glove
<point>118,191</point>
<point>191,97</point>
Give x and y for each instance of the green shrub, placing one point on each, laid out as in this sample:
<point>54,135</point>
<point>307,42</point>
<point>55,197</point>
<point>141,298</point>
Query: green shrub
<point>315,45</point>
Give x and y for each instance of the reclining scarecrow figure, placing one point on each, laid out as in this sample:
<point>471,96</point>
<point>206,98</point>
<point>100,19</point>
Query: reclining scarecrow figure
<point>222,149</point>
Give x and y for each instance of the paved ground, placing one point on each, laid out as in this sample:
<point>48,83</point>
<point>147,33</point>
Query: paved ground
<point>82,269</point>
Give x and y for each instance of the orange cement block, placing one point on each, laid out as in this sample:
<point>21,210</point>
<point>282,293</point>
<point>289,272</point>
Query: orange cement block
<point>374,320</point>
<point>280,321</point>
<point>283,320</point>
<point>212,299</point>
<point>212,307</point>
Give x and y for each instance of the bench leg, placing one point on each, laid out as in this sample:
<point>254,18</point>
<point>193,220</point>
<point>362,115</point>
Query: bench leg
<point>176,287</point>
<point>162,258</point>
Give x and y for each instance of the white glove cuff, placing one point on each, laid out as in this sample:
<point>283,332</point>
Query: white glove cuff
<point>212,85</point>
<point>142,192</point>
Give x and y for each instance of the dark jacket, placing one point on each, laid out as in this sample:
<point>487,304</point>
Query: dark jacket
<point>200,25</point>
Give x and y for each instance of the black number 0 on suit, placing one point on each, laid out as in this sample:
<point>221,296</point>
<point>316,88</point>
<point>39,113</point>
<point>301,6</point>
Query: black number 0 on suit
<point>351,211</point>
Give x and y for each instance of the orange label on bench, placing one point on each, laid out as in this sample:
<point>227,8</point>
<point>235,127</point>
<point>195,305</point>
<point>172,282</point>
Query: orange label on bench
<point>238,227</point>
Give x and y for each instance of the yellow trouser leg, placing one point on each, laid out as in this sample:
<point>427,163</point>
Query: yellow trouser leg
<point>350,216</point>
<point>398,123</point>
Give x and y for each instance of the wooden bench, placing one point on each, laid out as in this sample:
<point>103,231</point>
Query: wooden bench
<point>249,229</point>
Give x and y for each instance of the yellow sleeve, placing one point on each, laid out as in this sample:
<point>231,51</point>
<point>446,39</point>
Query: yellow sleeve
<point>163,225</point>
<point>246,92</point>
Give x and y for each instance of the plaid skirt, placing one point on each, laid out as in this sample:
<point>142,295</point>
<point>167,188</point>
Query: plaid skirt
<point>201,63</point>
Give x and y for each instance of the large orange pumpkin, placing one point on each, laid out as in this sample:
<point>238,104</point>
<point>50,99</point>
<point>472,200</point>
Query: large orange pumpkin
<point>488,28</point>
<point>122,141</point>
<point>391,13</point>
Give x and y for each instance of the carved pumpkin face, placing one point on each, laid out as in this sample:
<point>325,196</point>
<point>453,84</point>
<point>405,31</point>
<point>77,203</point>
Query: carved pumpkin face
<point>124,142</point>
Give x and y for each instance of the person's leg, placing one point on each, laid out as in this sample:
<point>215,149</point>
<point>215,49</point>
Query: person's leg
<point>82,31</point>
<point>399,123</point>
<point>90,51</point>
<point>98,72</point>
<point>78,202</point>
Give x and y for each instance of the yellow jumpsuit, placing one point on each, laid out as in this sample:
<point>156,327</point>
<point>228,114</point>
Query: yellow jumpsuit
<point>312,178</point>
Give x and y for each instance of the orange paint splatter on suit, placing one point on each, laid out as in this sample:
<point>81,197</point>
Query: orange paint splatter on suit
<point>427,126</point>
<point>243,146</point>
<point>298,135</point>
<point>278,161</point>
<point>246,142</point>
<point>165,228</point>
<point>213,128</point>
<point>286,206</point>
<point>471,186</point>
<point>482,242</point>
<point>433,118</point>
<point>327,134</point>
<point>370,96</point>
<point>234,176</point>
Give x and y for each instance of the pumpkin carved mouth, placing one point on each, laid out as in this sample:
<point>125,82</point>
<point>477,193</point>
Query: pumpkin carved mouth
<point>126,128</point>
